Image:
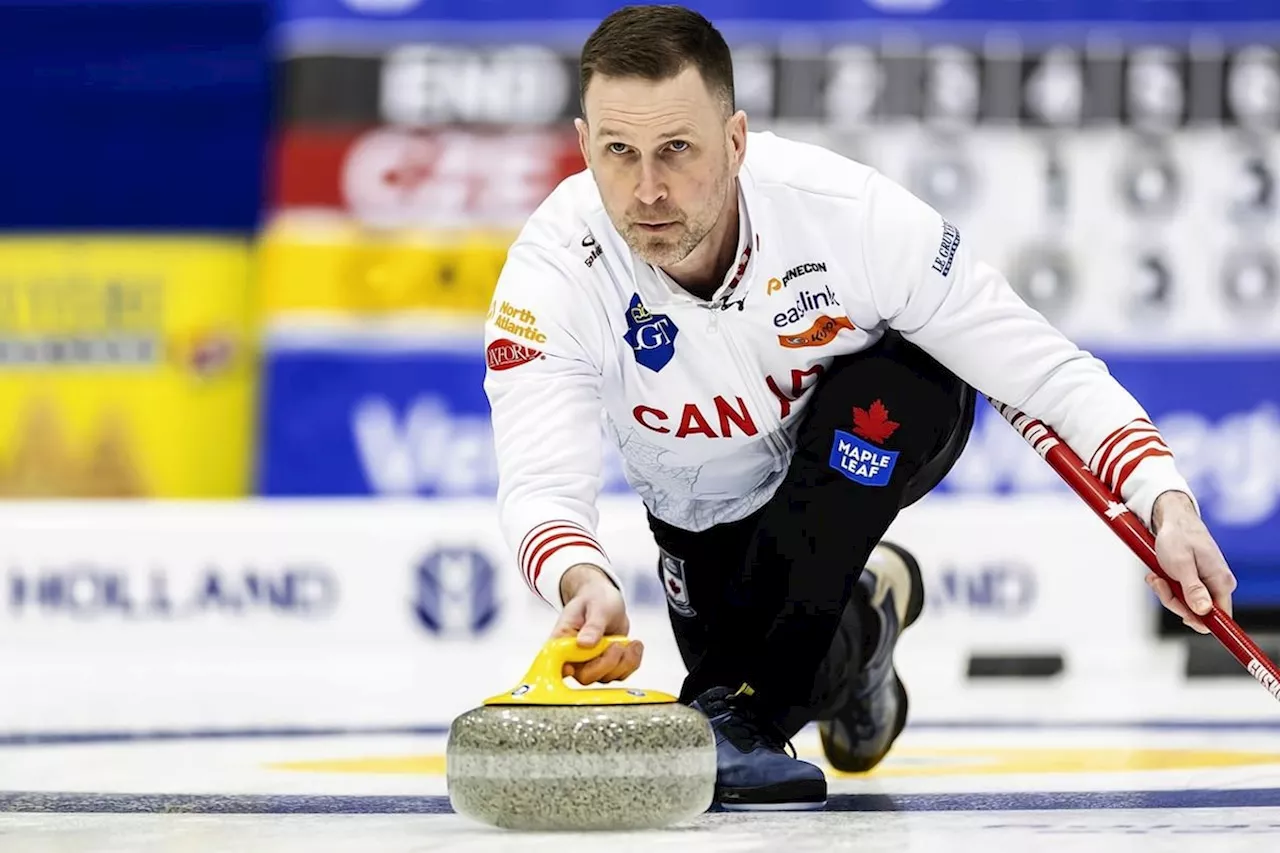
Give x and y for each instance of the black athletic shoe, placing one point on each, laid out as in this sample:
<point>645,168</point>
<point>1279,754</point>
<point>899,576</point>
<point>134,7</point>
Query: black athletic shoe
<point>857,736</point>
<point>753,767</point>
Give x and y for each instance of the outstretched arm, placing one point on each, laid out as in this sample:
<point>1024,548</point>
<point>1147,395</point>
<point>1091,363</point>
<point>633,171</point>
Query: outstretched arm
<point>928,285</point>
<point>543,383</point>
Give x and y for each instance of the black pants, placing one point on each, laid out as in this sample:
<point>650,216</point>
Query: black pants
<point>759,600</point>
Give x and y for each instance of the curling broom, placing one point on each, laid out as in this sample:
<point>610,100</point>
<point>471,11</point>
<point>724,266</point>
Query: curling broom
<point>1111,509</point>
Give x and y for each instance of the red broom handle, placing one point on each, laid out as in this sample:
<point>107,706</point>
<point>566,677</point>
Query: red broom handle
<point>1111,509</point>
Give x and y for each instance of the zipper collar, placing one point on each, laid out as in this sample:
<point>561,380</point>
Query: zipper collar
<point>750,214</point>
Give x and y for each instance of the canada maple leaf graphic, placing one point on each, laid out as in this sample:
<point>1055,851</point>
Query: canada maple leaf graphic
<point>873,424</point>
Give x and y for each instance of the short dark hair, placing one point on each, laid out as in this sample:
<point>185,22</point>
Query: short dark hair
<point>657,43</point>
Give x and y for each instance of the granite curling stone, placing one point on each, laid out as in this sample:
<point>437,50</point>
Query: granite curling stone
<point>546,756</point>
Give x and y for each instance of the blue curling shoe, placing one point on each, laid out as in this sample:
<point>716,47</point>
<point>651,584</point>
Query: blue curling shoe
<point>754,770</point>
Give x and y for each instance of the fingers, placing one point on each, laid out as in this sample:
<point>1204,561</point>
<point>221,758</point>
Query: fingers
<point>593,627</point>
<point>592,671</point>
<point>1182,569</point>
<point>594,612</point>
<point>1168,599</point>
<point>571,619</point>
<point>1192,560</point>
<point>1179,563</point>
<point>630,661</point>
<point>1221,587</point>
<point>1216,575</point>
<point>616,663</point>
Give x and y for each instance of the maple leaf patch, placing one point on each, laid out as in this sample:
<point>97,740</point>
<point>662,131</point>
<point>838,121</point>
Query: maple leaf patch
<point>873,423</point>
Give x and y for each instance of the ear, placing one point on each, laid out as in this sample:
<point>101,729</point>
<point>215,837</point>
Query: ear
<point>581,126</point>
<point>737,130</point>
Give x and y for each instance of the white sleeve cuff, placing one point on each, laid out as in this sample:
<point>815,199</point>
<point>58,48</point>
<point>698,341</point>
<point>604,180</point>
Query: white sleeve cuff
<point>1135,463</point>
<point>1158,475</point>
<point>551,549</point>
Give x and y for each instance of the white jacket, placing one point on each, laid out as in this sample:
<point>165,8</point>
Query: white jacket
<point>703,397</point>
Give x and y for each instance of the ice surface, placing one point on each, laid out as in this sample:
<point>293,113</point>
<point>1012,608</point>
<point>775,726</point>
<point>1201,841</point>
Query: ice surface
<point>1112,770</point>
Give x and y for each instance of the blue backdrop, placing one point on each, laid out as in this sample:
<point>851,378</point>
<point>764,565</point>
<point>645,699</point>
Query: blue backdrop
<point>133,115</point>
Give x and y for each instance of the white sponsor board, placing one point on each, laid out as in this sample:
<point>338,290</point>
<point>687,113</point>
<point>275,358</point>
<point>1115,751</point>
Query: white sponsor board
<point>409,612</point>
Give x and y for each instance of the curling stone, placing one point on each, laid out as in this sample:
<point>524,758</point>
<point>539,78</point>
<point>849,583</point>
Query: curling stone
<point>547,756</point>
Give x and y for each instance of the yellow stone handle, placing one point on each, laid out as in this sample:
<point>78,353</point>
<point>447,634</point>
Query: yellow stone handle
<point>549,664</point>
<point>544,683</point>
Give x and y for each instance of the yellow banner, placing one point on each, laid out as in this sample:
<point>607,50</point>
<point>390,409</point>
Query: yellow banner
<point>125,367</point>
<point>348,269</point>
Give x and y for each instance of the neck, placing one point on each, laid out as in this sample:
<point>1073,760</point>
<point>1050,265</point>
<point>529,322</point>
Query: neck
<point>703,271</point>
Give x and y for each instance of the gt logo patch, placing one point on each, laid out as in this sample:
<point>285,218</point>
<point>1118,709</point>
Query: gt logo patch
<point>651,336</point>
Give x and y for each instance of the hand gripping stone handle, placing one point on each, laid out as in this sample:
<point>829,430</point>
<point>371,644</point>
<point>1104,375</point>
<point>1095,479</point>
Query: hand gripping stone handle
<point>544,683</point>
<point>1111,509</point>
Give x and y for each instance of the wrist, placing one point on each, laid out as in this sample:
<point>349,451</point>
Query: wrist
<point>578,576</point>
<point>1170,502</point>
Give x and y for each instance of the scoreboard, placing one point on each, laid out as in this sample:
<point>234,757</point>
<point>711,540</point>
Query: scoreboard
<point>1005,80</point>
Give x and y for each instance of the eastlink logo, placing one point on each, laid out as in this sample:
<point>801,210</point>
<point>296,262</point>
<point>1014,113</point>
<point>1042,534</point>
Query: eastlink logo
<point>776,284</point>
<point>806,301</point>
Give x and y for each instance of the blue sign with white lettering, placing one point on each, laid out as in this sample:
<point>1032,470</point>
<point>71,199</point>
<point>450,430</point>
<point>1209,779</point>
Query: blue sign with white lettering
<point>1219,412</point>
<point>861,461</point>
<point>357,419</point>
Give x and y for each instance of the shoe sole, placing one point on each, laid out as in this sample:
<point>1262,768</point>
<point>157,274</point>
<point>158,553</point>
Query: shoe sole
<point>915,603</point>
<point>915,606</point>
<point>789,796</point>
<point>774,807</point>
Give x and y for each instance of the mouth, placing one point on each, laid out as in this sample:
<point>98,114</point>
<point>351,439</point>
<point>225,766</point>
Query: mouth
<point>654,227</point>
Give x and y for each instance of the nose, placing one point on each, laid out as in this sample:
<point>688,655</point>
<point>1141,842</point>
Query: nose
<point>651,189</point>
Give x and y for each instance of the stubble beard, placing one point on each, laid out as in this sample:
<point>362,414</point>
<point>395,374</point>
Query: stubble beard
<point>662,250</point>
<point>665,250</point>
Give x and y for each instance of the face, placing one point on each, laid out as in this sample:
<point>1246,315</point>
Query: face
<point>664,157</point>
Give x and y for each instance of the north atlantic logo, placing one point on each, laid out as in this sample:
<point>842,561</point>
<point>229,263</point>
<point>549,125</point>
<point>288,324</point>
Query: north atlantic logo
<point>651,336</point>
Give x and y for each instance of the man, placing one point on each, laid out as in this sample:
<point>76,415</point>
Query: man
<point>785,346</point>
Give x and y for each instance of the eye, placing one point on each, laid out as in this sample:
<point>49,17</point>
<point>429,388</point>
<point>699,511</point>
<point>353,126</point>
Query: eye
<point>679,146</point>
<point>617,148</point>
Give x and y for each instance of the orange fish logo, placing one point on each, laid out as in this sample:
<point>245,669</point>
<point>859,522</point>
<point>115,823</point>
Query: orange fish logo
<point>822,332</point>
